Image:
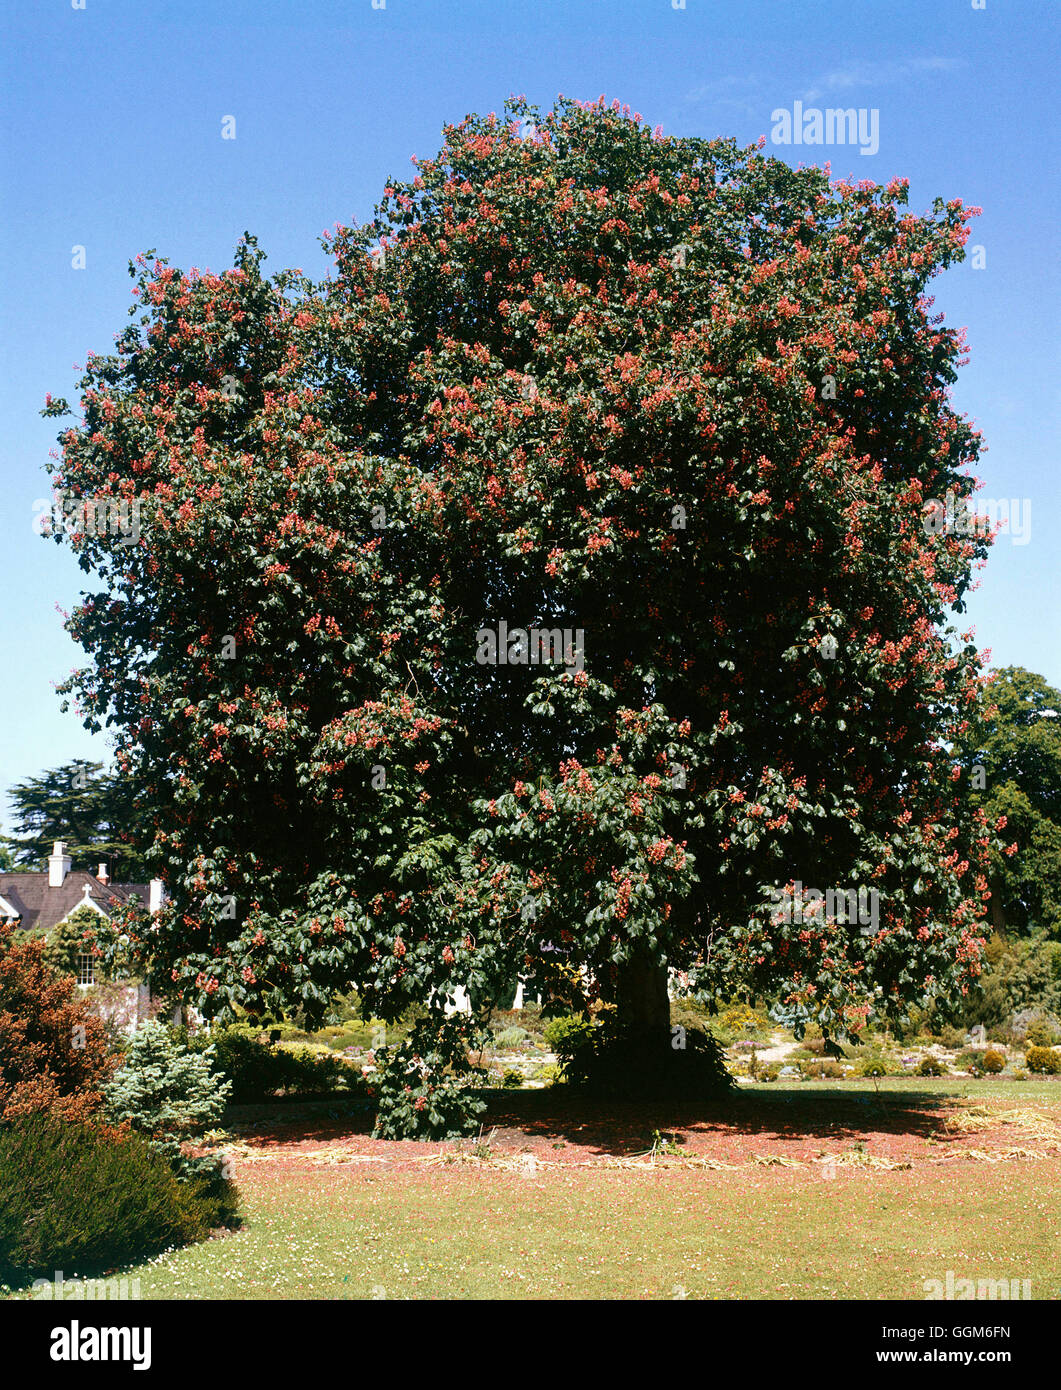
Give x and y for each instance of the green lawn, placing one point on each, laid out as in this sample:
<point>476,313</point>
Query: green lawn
<point>1031,1090</point>
<point>388,1224</point>
<point>611,1234</point>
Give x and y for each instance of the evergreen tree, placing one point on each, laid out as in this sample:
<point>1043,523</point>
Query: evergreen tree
<point>91,810</point>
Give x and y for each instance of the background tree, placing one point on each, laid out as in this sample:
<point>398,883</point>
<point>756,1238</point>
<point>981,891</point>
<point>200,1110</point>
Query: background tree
<point>1012,757</point>
<point>1021,981</point>
<point>668,394</point>
<point>92,811</point>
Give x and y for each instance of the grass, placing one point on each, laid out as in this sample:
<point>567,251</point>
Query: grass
<point>607,1234</point>
<point>1034,1088</point>
<point>394,1221</point>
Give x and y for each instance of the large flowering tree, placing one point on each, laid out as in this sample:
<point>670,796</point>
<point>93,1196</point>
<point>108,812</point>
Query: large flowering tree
<point>670,397</point>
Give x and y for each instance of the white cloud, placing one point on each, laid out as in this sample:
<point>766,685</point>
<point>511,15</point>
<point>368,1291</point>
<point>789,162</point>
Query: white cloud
<point>736,92</point>
<point>876,74</point>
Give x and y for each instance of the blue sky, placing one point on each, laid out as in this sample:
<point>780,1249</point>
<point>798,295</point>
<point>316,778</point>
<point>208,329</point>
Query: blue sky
<point>112,141</point>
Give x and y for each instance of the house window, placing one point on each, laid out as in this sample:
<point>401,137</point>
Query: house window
<point>86,969</point>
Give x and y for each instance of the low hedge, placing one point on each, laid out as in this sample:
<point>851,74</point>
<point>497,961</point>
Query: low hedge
<point>260,1071</point>
<point>78,1196</point>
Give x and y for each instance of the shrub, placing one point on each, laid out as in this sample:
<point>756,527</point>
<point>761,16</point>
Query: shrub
<point>529,1018</point>
<point>994,1061</point>
<point>259,1071</point>
<point>250,1067</point>
<point>169,1094</point>
<point>690,1013</point>
<point>77,1196</point>
<point>1004,1033</point>
<point>342,1037</point>
<point>424,1084</point>
<point>303,1071</point>
<point>1041,1033</point>
<point>614,1060</point>
<point>972,1059</point>
<point>566,1035</point>
<point>950,1037</point>
<point>931,1066</point>
<point>511,1080</point>
<point>823,1069</point>
<point>284,1031</point>
<point>53,1050</point>
<point>740,1020</point>
<point>346,1027</point>
<point>874,1066</point>
<point>511,1037</point>
<point>1043,1060</point>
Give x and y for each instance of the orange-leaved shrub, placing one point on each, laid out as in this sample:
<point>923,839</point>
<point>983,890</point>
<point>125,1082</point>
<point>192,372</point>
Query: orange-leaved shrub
<point>53,1049</point>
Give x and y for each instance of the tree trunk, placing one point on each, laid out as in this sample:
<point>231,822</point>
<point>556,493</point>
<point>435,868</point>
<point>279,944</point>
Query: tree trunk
<point>641,994</point>
<point>639,1058</point>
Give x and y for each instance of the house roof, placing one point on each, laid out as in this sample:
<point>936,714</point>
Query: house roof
<point>38,905</point>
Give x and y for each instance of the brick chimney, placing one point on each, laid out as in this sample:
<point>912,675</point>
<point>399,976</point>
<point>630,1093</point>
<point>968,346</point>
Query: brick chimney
<point>102,875</point>
<point>59,864</point>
